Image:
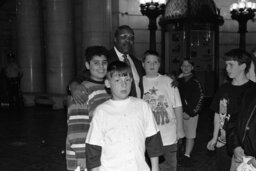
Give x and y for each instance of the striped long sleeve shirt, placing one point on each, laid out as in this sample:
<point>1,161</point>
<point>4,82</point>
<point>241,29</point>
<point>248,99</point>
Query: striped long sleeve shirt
<point>78,121</point>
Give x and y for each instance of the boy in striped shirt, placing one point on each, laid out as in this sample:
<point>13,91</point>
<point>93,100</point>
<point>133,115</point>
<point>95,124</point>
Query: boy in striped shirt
<point>79,115</point>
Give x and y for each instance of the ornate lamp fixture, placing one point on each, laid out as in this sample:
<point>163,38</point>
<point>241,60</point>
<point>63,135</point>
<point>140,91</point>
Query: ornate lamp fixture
<point>152,9</point>
<point>242,12</point>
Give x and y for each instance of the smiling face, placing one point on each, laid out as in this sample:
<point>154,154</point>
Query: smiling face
<point>234,70</point>
<point>98,67</point>
<point>151,65</point>
<point>186,68</point>
<point>120,85</point>
<point>124,41</point>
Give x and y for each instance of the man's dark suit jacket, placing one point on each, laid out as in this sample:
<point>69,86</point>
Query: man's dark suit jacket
<point>112,56</point>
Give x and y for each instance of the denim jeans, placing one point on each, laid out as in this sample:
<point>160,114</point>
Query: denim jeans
<point>223,160</point>
<point>169,162</point>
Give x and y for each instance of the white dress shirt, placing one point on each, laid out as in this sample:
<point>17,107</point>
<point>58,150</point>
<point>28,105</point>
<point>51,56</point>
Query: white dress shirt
<point>134,71</point>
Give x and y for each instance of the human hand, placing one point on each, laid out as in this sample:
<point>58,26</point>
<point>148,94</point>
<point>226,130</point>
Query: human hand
<point>78,92</point>
<point>82,163</point>
<point>238,154</point>
<point>252,162</point>
<point>185,116</point>
<point>175,82</point>
<point>180,133</point>
<point>211,144</point>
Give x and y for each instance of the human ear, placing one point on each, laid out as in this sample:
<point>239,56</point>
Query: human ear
<point>107,84</point>
<point>87,65</point>
<point>243,66</point>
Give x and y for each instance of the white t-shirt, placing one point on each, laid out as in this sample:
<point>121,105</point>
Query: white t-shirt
<point>162,97</point>
<point>121,127</point>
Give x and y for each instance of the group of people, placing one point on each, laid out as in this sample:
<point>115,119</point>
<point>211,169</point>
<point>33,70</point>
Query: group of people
<point>235,116</point>
<point>125,115</point>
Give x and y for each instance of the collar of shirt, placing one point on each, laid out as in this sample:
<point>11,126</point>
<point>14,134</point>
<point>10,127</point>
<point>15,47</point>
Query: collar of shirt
<point>120,55</point>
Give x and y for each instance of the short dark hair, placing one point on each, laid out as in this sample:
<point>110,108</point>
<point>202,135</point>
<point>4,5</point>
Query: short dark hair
<point>189,61</point>
<point>95,51</point>
<point>253,50</point>
<point>151,52</point>
<point>123,27</point>
<point>120,67</point>
<point>239,55</point>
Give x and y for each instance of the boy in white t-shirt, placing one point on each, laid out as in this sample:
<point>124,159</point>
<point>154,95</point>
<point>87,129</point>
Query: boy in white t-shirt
<point>166,105</point>
<point>122,128</point>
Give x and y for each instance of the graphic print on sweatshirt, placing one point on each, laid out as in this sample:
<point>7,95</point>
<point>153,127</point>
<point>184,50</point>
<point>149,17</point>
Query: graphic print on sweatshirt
<point>224,118</point>
<point>158,104</point>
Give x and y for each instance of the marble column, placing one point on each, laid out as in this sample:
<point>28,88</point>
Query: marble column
<point>29,48</point>
<point>96,22</point>
<point>59,45</point>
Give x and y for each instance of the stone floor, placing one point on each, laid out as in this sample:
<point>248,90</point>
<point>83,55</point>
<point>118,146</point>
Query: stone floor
<point>33,139</point>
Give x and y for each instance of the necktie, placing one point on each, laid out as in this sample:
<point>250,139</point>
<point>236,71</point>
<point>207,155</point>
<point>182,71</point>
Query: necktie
<point>126,60</point>
<point>133,88</point>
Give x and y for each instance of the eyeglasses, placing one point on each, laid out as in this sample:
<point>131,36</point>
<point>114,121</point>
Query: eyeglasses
<point>126,36</point>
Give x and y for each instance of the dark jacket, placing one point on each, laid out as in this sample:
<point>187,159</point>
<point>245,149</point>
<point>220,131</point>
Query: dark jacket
<point>112,56</point>
<point>191,93</point>
<point>242,131</point>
